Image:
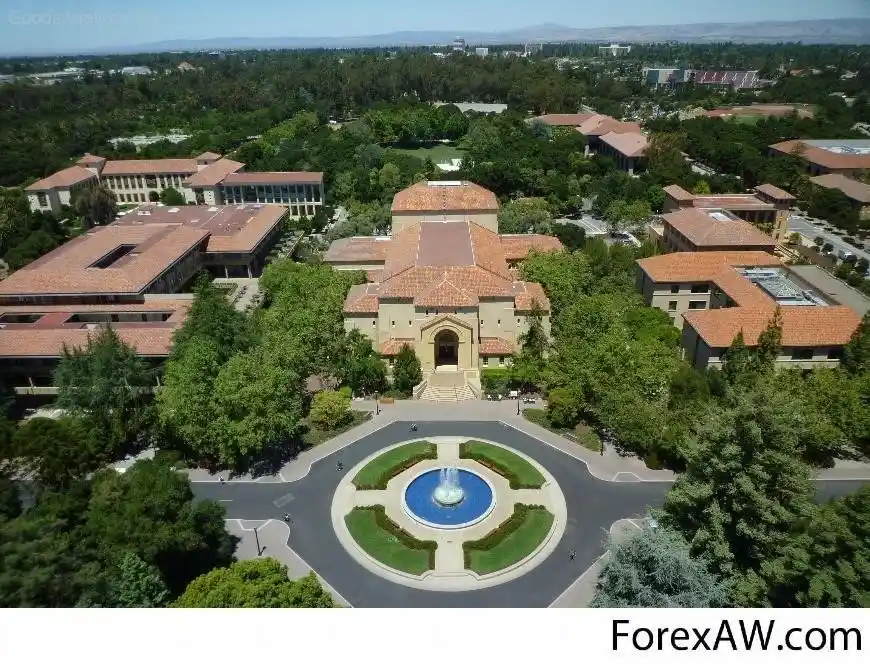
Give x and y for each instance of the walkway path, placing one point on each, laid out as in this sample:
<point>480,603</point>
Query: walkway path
<point>273,537</point>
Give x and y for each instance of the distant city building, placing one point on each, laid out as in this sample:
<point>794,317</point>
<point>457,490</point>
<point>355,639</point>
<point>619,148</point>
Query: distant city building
<point>828,156</point>
<point>614,50</point>
<point>762,110</point>
<point>481,51</point>
<point>459,44</point>
<point>206,179</point>
<point>136,71</point>
<point>668,77</point>
<point>174,137</point>
<point>477,107</point>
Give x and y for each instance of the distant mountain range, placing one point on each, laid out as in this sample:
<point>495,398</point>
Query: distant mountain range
<point>823,31</point>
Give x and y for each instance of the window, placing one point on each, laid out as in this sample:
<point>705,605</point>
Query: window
<point>43,200</point>
<point>481,323</point>
<point>427,311</point>
<point>374,323</point>
<point>697,305</point>
<point>501,361</point>
<point>802,354</point>
<point>699,288</point>
<point>499,323</point>
<point>675,289</point>
<point>485,361</point>
<point>394,323</point>
<point>672,306</point>
<point>835,354</point>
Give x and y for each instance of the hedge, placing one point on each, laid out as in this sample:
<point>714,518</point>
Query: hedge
<point>407,540</point>
<point>495,537</point>
<point>519,473</point>
<point>370,478</point>
<point>493,381</point>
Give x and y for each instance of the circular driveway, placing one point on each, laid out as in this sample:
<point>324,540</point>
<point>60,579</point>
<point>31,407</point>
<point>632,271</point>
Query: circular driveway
<point>593,505</point>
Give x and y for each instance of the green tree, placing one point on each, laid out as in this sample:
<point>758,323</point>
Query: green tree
<point>406,370</point>
<point>359,366</point>
<point>744,489</point>
<point>827,563</point>
<point>529,365</point>
<point>138,584</point>
<point>525,215</point>
<point>57,452</point>
<point>10,502</point>
<point>96,206</point>
<point>856,356</point>
<point>701,188</point>
<point>737,360</point>
<point>256,583</point>
<point>150,510</point>
<point>654,569</point>
<point>563,407</point>
<point>769,343</point>
<point>107,384</point>
<point>171,197</point>
<point>330,410</point>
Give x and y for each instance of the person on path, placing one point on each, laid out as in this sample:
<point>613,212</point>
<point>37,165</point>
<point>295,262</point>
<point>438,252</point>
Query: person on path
<point>571,555</point>
<point>221,479</point>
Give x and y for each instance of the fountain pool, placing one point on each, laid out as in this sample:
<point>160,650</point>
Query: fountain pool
<point>448,498</point>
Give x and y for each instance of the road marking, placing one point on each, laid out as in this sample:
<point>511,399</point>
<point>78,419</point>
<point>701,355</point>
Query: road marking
<point>283,500</point>
<point>628,473</point>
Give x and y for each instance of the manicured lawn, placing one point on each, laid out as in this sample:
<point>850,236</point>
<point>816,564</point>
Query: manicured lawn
<point>520,473</point>
<point>514,544</point>
<point>385,546</point>
<point>437,153</point>
<point>315,436</point>
<point>378,472</point>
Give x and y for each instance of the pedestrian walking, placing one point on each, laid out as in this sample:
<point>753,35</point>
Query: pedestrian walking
<point>287,518</point>
<point>221,479</point>
<point>571,555</point>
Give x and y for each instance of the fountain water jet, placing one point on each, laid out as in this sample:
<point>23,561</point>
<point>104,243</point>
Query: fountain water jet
<point>448,492</point>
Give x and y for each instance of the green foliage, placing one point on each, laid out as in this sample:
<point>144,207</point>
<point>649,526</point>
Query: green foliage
<point>573,237</point>
<point>330,409</point>
<point>654,569</point>
<point>138,584</point>
<point>563,407</point>
<point>10,502</point>
<point>25,235</point>
<point>171,197</point>
<point>360,367</point>
<point>56,453</point>
<point>255,583</point>
<point>856,356</point>
<point>108,385</point>
<point>96,205</point>
<point>386,541</point>
<point>769,343</point>
<point>525,216</point>
<point>496,381</point>
<point>520,473</point>
<point>406,371</point>
<point>383,468</point>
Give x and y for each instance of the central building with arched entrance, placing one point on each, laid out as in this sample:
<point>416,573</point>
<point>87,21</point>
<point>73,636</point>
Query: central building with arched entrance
<point>444,283</point>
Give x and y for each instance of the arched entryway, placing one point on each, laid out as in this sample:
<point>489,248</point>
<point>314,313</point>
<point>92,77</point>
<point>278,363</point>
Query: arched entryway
<point>446,348</point>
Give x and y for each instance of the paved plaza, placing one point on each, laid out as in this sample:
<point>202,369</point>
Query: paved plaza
<point>599,491</point>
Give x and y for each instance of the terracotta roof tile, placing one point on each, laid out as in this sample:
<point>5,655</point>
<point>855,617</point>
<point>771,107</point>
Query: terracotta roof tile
<point>820,156</point>
<point>702,229</point>
<point>269,178</point>
<point>629,144</point>
<point>495,346</point>
<point>562,120</point>
<point>90,159</point>
<point>444,196</point>
<point>214,173</point>
<point>392,347</point>
<point>362,299</point>
<point>599,125</point>
<point>688,267</point>
<point>65,178</point>
<point>854,190</point>
<point>207,155</point>
<point>526,294</point>
<point>773,192</point>
<point>518,246</point>
<point>163,166</point>
<point>445,294</point>
<point>358,249</point>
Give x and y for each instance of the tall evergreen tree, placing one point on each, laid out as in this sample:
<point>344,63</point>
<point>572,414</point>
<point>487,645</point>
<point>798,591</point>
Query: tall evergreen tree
<point>406,370</point>
<point>138,584</point>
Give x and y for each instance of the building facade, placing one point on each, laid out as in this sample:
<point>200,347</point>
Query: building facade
<point>713,296</point>
<point>849,157</point>
<point>443,284</point>
<point>206,179</point>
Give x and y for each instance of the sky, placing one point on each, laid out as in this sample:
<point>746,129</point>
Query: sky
<point>61,25</point>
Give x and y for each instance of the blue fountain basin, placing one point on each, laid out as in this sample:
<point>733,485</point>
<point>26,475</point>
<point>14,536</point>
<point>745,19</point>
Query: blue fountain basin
<point>478,502</point>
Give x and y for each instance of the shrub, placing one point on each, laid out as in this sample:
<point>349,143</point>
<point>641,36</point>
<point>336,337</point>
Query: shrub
<point>411,542</point>
<point>587,437</point>
<point>330,410</point>
<point>537,416</point>
<point>345,391</point>
<point>498,534</point>
<point>563,407</point>
<point>496,381</point>
<point>429,451</point>
<point>406,371</point>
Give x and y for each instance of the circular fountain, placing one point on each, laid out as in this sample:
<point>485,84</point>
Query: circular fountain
<point>448,498</point>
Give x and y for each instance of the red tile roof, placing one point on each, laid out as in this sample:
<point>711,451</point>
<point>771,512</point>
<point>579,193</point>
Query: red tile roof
<point>528,294</point>
<point>688,267</point>
<point>65,178</point>
<point>599,124</point>
<point>562,120</point>
<point>444,196</point>
<point>854,190</point>
<point>90,159</point>
<point>703,230</point>
<point>495,346</point>
<point>773,192</point>
<point>822,157</point>
<point>163,166</point>
<point>629,144</point>
<point>518,246</point>
<point>214,173</point>
<point>362,299</point>
<point>358,249</point>
<point>68,270</point>
<point>272,178</point>
<point>392,347</point>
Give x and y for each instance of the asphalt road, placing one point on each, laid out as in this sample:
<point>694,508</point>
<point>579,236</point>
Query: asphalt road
<point>593,506</point>
<point>812,230</point>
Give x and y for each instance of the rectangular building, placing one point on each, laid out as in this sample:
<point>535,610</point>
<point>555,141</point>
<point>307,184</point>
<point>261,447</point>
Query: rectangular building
<point>848,157</point>
<point>714,296</point>
<point>706,230</point>
<point>856,191</point>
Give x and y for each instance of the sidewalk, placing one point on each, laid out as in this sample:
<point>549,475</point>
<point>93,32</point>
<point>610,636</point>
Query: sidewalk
<point>581,591</point>
<point>273,536</point>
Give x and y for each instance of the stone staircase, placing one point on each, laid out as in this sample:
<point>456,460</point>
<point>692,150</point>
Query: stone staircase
<point>446,385</point>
